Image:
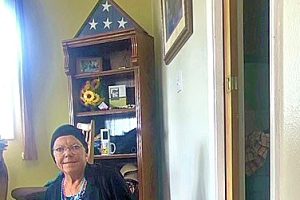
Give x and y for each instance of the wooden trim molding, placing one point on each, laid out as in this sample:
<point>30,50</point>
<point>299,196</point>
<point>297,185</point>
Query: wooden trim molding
<point>215,59</point>
<point>231,100</point>
<point>276,95</point>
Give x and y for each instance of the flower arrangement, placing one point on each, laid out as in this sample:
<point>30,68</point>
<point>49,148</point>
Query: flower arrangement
<point>88,94</point>
<point>3,144</point>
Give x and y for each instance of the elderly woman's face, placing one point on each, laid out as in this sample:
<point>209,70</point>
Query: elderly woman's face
<point>69,154</point>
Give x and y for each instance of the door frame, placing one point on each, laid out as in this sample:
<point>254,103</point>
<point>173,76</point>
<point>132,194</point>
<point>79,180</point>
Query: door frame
<point>276,94</point>
<point>215,8</point>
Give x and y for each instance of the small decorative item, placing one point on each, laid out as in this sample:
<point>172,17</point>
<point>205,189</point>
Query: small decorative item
<point>257,146</point>
<point>89,65</point>
<point>117,96</point>
<point>177,26</point>
<point>88,94</point>
<point>103,106</point>
<point>107,147</point>
<point>129,172</point>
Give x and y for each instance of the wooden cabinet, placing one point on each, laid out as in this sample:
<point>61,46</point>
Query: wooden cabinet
<point>123,63</point>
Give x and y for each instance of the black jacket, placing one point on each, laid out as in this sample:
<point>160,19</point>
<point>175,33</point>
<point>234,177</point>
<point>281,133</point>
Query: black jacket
<point>103,183</point>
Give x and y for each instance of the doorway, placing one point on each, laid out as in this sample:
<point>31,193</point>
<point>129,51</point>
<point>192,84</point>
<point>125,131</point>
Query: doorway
<point>256,99</point>
<point>247,99</point>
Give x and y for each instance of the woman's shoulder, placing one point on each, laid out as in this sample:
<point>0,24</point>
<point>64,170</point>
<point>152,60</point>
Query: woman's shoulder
<point>103,174</point>
<point>58,179</point>
<point>99,169</point>
<point>53,188</point>
<point>108,180</point>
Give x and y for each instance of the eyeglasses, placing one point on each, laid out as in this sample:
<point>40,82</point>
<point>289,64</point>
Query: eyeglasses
<point>75,149</point>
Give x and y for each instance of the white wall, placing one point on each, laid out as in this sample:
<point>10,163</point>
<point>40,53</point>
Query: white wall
<point>186,125</point>
<point>290,144</point>
<point>185,115</point>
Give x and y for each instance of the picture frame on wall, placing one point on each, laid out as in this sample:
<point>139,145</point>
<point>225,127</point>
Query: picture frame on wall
<point>89,65</point>
<point>177,26</point>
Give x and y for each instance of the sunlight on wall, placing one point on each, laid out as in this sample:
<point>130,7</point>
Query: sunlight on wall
<point>10,62</point>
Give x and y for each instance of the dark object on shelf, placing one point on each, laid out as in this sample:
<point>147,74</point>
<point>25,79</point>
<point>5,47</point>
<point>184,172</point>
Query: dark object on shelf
<point>130,92</point>
<point>106,62</point>
<point>125,143</point>
<point>120,59</point>
<point>134,189</point>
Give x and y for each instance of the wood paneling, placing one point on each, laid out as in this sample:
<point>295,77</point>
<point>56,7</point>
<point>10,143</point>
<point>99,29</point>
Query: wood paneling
<point>231,100</point>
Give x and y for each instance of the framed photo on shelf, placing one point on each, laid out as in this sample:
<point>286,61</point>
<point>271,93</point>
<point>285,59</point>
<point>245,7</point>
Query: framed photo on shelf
<point>177,26</point>
<point>88,65</point>
<point>117,96</point>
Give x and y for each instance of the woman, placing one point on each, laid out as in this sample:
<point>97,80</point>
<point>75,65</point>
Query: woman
<point>79,180</point>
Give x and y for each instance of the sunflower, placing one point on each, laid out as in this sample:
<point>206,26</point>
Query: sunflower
<point>88,96</point>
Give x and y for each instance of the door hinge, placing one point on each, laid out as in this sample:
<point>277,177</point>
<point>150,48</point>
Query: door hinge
<point>231,83</point>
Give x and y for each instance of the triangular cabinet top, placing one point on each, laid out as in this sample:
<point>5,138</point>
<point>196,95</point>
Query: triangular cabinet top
<point>106,17</point>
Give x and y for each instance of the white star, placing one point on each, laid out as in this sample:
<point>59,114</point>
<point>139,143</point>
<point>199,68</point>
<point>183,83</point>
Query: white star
<point>106,6</point>
<point>122,23</point>
<point>93,24</point>
<point>107,23</point>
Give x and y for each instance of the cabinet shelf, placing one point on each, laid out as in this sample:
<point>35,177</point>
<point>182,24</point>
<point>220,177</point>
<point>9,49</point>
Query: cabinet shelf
<point>115,156</point>
<point>106,112</point>
<point>133,50</point>
<point>106,73</point>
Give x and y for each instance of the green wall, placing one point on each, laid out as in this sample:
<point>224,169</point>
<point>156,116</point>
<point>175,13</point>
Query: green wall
<point>49,22</point>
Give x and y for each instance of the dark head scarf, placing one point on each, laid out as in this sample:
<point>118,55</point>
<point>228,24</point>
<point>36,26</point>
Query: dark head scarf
<point>65,130</point>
